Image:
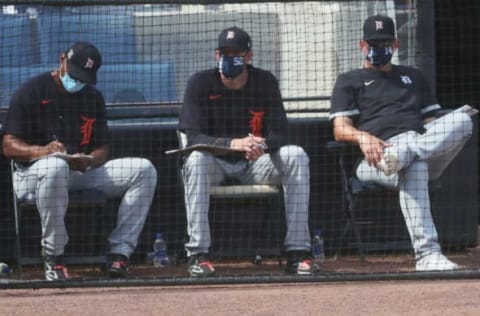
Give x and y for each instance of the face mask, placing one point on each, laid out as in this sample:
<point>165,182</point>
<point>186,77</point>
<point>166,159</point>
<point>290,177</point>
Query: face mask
<point>71,85</point>
<point>230,66</point>
<point>379,56</point>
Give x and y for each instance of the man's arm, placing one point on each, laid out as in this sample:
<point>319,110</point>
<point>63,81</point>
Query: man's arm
<point>275,123</point>
<point>193,120</point>
<point>372,147</point>
<point>16,148</point>
<point>100,155</point>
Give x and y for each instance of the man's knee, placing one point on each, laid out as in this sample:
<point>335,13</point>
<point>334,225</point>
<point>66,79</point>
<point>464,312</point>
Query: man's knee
<point>417,168</point>
<point>141,170</point>
<point>294,154</point>
<point>462,123</point>
<point>467,124</point>
<point>55,168</point>
<point>147,169</point>
<point>199,159</point>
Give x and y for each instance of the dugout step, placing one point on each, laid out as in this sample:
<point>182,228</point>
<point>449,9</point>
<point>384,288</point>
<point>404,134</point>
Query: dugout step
<point>80,260</point>
<point>384,246</point>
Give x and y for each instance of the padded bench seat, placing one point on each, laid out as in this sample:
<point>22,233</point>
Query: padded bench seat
<point>242,191</point>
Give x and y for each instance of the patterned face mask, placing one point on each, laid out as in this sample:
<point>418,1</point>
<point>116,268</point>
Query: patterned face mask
<point>230,66</point>
<point>379,56</point>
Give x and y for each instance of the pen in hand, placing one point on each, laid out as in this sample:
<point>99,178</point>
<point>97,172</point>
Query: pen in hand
<point>58,147</point>
<point>262,146</point>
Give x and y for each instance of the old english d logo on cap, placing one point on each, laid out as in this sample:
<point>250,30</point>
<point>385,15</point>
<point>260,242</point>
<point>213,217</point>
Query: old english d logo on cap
<point>379,27</point>
<point>90,63</point>
<point>234,37</point>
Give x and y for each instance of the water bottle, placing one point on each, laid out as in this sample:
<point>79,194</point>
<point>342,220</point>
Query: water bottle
<point>318,253</point>
<point>160,257</point>
<point>4,269</point>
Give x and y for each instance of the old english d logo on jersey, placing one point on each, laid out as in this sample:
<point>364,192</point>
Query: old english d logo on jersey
<point>86,129</point>
<point>256,122</point>
<point>406,79</point>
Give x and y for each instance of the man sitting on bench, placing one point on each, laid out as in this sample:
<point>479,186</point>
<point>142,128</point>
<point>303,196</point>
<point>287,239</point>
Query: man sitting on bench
<point>56,132</point>
<point>389,111</point>
<point>238,106</point>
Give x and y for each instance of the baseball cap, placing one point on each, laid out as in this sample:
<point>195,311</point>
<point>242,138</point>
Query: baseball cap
<point>378,27</point>
<point>236,38</point>
<point>83,60</point>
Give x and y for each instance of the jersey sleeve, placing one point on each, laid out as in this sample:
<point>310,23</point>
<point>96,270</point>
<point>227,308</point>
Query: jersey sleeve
<point>343,101</point>
<point>193,120</point>
<point>276,120</point>
<point>191,117</point>
<point>17,116</point>
<point>100,130</point>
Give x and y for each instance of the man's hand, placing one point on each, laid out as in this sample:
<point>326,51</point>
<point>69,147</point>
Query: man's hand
<point>372,147</point>
<point>253,146</point>
<point>79,162</point>
<point>53,147</point>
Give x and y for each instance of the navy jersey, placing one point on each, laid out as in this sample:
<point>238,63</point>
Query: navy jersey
<point>213,114</point>
<point>40,113</point>
<point>384,104</point>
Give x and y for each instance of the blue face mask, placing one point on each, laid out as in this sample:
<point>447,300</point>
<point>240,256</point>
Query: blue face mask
<point>379,56</point>
<point>71,85</point>
<point>230,66</point>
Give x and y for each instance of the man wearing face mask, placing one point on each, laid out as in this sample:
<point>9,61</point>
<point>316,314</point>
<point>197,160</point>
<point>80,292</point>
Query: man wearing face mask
<point>239,106</point>
<point>62,112</point>
<point>389,111</point>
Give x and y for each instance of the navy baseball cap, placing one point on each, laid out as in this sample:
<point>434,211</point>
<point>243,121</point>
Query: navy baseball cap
<point>378,27</point>
<point>83,60</point>
<point>235,38</point>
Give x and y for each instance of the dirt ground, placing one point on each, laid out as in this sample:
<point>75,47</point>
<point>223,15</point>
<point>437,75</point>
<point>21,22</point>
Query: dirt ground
<point>457,297</point>
<point>234,296</point>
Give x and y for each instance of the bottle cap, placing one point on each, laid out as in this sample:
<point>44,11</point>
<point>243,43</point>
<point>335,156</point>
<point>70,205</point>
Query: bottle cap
<point>318,231</point>
<point>158,235</point>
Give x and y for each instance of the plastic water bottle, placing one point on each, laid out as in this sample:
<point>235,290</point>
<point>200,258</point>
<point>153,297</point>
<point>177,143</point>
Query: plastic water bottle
<point>160,257</point>
<point>4,269</point>
<point>318,253</point>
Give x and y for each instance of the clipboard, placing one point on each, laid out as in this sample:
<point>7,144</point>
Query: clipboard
<point>214,150</point>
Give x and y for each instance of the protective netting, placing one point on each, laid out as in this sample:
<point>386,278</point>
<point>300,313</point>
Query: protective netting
<point>151,49</point>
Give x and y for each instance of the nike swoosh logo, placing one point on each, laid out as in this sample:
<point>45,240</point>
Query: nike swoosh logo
<point>367,83</point>
<point>46,101</point>
<point>214,97</point>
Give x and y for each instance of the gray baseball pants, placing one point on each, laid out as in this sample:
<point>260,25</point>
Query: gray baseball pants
<point>289,166</point>
<point>50,179</point>
<point>424,157</point>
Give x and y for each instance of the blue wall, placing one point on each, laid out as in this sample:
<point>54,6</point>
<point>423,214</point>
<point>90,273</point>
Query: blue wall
<point>30,45</point>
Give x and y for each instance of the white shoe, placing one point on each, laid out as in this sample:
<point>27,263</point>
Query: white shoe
<point>389,164</point>
<point>436,262</point>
